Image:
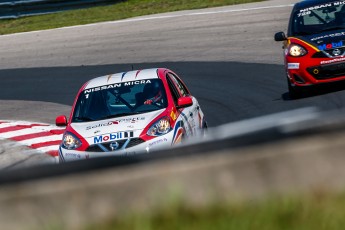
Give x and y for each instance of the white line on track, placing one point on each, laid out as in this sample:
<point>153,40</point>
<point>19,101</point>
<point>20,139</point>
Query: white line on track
<point>18,133</point>
<point>6,125</point>
<point>41,139</point>
<point>26,131</point>
<point>147,18</point>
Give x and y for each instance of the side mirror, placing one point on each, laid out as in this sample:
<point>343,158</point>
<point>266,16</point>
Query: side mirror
<point>280,36</point>
<point>184,102</point>
<point>61,120</point>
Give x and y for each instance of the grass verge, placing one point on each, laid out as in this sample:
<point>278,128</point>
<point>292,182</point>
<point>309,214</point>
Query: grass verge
<point>122,10</point>
<point>317,211</point>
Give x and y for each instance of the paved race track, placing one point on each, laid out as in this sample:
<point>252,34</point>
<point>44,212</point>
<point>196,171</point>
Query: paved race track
<point>227,91</point>
<point>226,56</point>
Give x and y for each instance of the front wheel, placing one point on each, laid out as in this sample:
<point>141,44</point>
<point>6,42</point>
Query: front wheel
<point>204,130</point>
<point>294,91</point>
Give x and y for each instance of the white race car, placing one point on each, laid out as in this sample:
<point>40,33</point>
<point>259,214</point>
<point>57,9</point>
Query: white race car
<point>129,113</point>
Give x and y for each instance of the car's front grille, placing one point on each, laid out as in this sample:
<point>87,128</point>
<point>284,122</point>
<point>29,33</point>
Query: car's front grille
<point>134,142</point>
<point>328,71</point>
<point>114,145</point>
<point>331,53</point>
<point>335,52</point>
<point>320,54</point>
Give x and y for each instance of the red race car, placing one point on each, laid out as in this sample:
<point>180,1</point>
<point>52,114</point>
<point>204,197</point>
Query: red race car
<point>314,44</point>
<point>130,113</point>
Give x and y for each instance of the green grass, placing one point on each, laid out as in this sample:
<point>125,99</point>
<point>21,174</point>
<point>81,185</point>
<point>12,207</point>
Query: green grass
<point>122,10</point>
<point>317,211</point>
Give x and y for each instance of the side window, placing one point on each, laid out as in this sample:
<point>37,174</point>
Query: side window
<point>173,89</point>
<point>181,87</point>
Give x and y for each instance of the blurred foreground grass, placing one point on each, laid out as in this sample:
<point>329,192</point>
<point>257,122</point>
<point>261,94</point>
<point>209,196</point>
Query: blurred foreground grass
<point>122,10</point>
<point>322,211</point>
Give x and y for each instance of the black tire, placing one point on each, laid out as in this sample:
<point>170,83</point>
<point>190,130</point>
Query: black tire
<point>204,129</point>
<point>294,91</point>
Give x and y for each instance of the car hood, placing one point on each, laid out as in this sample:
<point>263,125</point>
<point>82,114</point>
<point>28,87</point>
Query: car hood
<point>136,122</point>
<point>326,40</point>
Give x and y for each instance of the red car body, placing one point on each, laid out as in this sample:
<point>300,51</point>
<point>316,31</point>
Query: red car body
<point>314,47</point>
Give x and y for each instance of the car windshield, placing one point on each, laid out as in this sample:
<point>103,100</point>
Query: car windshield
<point>318,18</point>
<point>120,99</point>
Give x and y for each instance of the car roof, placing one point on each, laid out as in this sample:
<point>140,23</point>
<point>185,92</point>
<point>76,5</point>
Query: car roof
<point>133,75</point>
<point>307,3</point>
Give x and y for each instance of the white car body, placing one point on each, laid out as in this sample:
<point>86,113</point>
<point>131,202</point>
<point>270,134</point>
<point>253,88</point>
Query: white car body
<point>141,132</point>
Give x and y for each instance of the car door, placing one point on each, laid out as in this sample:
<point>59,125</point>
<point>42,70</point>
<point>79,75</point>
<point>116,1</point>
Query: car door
<point>190,114</point>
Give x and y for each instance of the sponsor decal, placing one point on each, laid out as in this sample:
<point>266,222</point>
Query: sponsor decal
<point>160,141</point>
<point>188,124</point>
<point>116,85</point>
<point>315,7</point>
<point>173,116</point>
<point>332,45</point>
<point>101,125</point>
<point>328,36</point>
<point>293,65</point>
<point>130,120</point>
<point>338,3</point>
<point>137,73</point>
<point>116,122</point>
<point>178,138</point>
<point>308,10</point>
<point>72,155</point>
<point>304,13</point>
<point>108,137</point>
<point>109,76</point>
<point>123,75</point>
<point>178,133</point>
<point>112,137</point>
<point>332,61</point>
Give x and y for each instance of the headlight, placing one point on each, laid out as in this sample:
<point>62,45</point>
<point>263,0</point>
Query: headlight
<point>161,127</point>
<point>297,50</point>
<point>69,141</point>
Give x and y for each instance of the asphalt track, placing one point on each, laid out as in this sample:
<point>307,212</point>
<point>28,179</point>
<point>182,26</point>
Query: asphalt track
<point>227,91</point>
<point>226,56</point>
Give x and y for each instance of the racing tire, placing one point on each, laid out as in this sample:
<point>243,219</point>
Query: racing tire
<point>294,91</point>
<point>204,129</point>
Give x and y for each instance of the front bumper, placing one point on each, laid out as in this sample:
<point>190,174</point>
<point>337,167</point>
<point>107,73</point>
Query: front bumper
<point>104,149</point>
<point>328,71</point>
<point>315,72</point>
